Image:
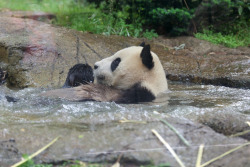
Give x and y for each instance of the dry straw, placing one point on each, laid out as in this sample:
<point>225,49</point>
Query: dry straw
<point>168,147</point>
<point>36,153</point>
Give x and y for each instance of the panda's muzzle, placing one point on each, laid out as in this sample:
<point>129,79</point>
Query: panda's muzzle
<point>100,77</point>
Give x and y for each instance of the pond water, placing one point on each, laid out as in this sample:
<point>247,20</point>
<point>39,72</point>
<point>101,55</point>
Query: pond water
<point>185,101</point>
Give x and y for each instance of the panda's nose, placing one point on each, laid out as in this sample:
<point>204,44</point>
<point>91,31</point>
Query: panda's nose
<point>95,67</point>
<point>100,77</point>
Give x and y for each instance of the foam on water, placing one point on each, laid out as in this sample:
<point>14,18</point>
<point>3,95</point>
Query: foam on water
<point>185,101</point>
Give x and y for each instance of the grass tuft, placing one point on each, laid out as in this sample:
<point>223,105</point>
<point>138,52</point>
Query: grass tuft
<point>81,16</point>
<point>231,40</point>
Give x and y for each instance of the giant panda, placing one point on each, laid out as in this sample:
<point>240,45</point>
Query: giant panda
<point>131,75</point>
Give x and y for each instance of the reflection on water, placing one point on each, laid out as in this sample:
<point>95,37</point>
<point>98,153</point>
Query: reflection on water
<point>186,101</point>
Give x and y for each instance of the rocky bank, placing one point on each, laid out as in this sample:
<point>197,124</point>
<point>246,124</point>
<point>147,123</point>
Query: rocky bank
<point>37,54</point>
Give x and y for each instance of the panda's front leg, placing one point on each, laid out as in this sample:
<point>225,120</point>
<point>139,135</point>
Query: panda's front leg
<point>97,92</point>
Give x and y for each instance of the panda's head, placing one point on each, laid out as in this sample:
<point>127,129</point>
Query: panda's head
<point>130,66</point>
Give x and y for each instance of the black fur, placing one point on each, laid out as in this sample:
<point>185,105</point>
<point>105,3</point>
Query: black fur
<point>142,44</point>
<point>136,94</point>
<point>79,74</point>
<point>115,63</point>
<point>146,57</point>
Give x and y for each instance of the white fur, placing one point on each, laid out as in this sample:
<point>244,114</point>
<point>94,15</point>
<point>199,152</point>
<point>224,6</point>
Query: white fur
<point>131,70</point>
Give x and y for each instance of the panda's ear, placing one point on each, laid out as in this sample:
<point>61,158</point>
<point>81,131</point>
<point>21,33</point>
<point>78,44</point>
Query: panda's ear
<point>142,44</point>
<point>146,57</point>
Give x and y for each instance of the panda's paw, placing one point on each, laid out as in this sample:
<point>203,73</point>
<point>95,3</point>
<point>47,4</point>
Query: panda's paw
<point>97,92</point>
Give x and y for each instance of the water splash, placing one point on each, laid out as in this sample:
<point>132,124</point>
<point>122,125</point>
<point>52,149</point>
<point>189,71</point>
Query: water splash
<point>185,101</point>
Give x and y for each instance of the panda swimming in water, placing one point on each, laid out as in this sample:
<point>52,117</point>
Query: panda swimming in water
<point>131,75</point>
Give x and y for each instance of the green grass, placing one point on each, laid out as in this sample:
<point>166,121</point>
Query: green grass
<point>232,40</point>
<point>54,6</point>
<point>87,18</point>
<point>81,16</point>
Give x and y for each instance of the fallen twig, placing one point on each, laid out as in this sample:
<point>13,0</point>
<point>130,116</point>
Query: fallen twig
<point>36,153</point>
<point>199,156</point>
<point>168,147</point>
<point>124,120</point>
<point>240,133</point>
<point>222,155</point>
<point>117,163</point>
<point>176,131</point>
<point>248,122</point>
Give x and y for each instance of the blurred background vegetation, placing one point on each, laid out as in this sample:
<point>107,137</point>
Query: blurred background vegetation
<point>219,21</point>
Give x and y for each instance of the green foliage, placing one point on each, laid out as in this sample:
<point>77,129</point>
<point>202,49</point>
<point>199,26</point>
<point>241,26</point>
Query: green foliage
<point>225,15</point>
<point>229,20</point>
<point>150,34</point>
<point>238,7</point>
<point>83,17</point>
<point>30,163</point>
<point>54,6</point>
<point>231,40</point>
<point>174,20</point>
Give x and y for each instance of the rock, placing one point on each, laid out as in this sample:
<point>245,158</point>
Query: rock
<point>35,15</point>
<point>204,63</point>
<point>225,123</point>
<point>90,141</point>
<point>39,54</point>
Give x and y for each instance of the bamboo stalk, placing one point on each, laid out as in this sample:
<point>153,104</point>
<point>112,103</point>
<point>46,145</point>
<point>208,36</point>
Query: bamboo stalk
<point>222,155</point>
<point>248,122</point>
<point>240,133</point>
<point>124,120</point>
<point>176,131</point>
<point>36,153</point>
<point>199,156</point>
<point>168,147</point>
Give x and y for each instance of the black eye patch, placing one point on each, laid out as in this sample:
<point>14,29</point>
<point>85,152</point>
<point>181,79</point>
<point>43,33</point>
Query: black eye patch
<point>115,64</point>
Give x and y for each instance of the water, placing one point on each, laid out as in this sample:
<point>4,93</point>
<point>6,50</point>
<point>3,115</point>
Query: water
<point>185,101</point>
<point>89,130</point>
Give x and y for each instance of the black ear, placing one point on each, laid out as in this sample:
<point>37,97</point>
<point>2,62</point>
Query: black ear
<point>142,44</point>
<point>146,57</point>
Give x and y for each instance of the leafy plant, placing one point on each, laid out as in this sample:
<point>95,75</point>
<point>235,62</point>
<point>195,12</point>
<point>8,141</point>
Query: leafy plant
<point>174,20</point>
<point>230,40</point>
<point>82,16</point>
<point>147,18</point>
<point>30,163</point>
<point>150,34</point>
